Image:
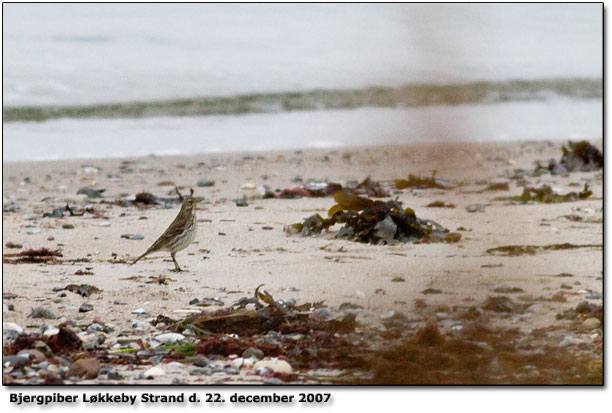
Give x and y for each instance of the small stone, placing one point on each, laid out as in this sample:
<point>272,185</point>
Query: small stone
<point>206,182</point>
<point>274,364</point>
<point>591,323</point>
<point>68,226</point>
<point>85,307</point>
<point>169,338</point>
<point>198,361</point>
<point>17,362</point>
<point>91,193</point>
<point>8,326</point>
<point>139,311</point>
<point>475,208</point>
<point>13,245</point>
<point>135,237</point>
<point>105,224</point>
<point>570,340</point>
<point>85,368</point>
<point>51,331</point>
<point>253,352</point>
<point>57,289</point>
<point>154,372</point>
<point>32,231</point>
<point>398,280</point>
<point>194,301</point>
<point>42,312</point>
<point>34,355</point>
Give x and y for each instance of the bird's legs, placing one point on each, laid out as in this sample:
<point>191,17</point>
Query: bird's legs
<point>176,265</point>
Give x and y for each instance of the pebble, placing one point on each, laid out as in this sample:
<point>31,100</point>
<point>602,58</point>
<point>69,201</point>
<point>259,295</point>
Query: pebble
<point>253,352</point>
<point>85,307</point>
<point>135,237</point>
<point>87,368</point>
<point>169,338</point>
<point>8,326</point>
<point>105,224</point>
<point>570,340</point>
<point>206,182</point>
<point>32,231</point>
<point>68,226</point>
<point>51,331</point>
<point>475,208</point>
<point>591,323</point>
<point>17,361</point>
<point>274,364</point>
<point>91,193</point>
<point>154,372</point>
<point>139,311</point>
<point>198,361</point>
<point>34,355</point>
<point>57,289</point>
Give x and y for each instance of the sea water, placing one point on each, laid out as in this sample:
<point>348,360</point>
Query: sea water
<point>84,54</point>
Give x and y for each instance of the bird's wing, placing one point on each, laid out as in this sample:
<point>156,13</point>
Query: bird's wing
<point>175,229</point>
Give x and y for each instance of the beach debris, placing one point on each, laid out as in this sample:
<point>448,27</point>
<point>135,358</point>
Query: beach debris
<point>273,328</point>
<point>502,304</point>
<point>440,204</point>
<point>10,207</point>
<point>322,188</point>
<point>546,194</point>
<point>42,312</point>
<point>577,156</point>
<point>84,290</point>
<point>420,182</point>
<point>497,186</point>
<point>373,222</point>
<point>32,256</point>
<point>431,291</point>
<point>517,250</point>
<point>91,193</point>
<point>13,245</point>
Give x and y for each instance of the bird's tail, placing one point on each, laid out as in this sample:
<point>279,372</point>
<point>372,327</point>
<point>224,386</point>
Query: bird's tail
<point>138,259</point>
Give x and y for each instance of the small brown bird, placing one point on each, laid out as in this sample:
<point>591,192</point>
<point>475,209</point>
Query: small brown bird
<point>180,233</point>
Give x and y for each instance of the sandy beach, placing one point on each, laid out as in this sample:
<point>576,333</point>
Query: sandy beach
<point>240,247</point>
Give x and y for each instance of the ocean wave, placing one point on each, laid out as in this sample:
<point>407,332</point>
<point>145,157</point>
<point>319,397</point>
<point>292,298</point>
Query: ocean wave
<point>410,95</point>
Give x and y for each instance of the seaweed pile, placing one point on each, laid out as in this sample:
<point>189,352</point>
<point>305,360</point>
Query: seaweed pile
<point>578,156</point>
<point>322,188</point>
<point>374,222</point>
<point>479,355</point>
<point>32,256</point>
<point>547,195</point>
<point>420,182</point>
<point>306,335</point>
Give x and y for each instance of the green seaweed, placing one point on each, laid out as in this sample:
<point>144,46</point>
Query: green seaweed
<point>546,195</point>
<point>517,250</point>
